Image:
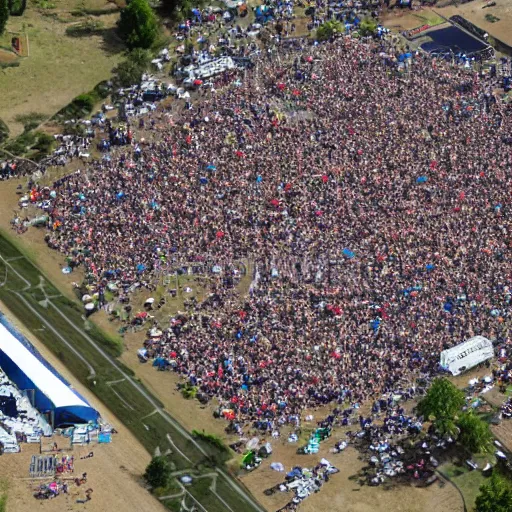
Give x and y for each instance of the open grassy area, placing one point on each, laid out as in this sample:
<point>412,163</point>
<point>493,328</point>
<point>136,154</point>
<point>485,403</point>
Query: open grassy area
<point>59,67</point>
<point>468,482</point>
<point>91,356</point>
<point>428,17</point>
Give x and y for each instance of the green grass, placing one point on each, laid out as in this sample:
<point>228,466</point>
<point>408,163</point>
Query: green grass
<point>468,482</point>
<point>430,18</point>
<point>3,495</point>
<point>122,398</point>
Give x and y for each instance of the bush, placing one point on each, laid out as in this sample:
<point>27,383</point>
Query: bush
<point>44,144</point>
<point>496,496</point>
<point>129,72</point>
<point>158,472</point>
<point>4,15</point>
<point>102,90</point>
<point>211,439</point>
<point>17,7</point>
<point>84,102</point>
<point>188,391</point>
<point>328,29</point>
<point>138,25</point>
<point>475,434</point>
<point>4,131</point>
<point>21,144</point>
<point>31,120</point>
<point>368,27</point>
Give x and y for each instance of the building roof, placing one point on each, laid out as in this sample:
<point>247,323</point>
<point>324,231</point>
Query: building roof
<point>50,385</point>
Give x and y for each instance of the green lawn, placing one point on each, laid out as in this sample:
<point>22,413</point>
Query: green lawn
<point>114,384</point>
<point>468,482</point>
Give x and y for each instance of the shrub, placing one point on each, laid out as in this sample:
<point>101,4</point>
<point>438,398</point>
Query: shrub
<point>495,496</point>
<point>475,434</point>
<point>17,7</point>
<point>129,72</point>
<point>4,15</point>
<point>44,144</point>
<point>84,102</point>
<point>368,27</point>
<point>211,439</point>
<point>4,131</point>
<point>328,29</point>
<point>31,120</point>
<point>158,472</point>
<point>21,144</point>
<point>188,391</point>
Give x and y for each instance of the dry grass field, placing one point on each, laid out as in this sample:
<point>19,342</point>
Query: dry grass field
<point>59,67</point>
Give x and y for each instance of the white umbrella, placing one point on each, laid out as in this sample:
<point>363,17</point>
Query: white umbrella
<point>86,298</point>
<point>90,306</point>
<point>150,300</point>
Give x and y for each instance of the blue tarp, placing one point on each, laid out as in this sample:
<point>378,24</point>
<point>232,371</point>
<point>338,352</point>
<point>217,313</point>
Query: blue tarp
<point>348,253</point>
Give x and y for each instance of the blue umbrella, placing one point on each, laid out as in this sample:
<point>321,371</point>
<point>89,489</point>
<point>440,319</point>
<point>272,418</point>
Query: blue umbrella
<point>141,268</point>
<point>429,266</point>
<point>259,179</point>
<point>203,180</point>
<point>422,179</point>
<point>211,168</point>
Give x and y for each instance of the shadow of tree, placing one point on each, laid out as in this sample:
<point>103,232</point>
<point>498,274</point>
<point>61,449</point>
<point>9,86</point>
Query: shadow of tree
<point>112,44</point>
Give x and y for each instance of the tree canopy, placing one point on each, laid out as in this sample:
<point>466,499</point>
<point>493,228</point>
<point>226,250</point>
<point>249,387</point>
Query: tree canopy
<point>495,496</point>
<point>475,434</point>
<point>158,472</point>
<point>442,403</point>
<point>4,14</point>
<point>138,25</point>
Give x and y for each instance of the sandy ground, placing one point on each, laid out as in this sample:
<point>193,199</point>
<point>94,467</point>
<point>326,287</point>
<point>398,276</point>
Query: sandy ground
<point>342,493</point>
<point>113,473</point>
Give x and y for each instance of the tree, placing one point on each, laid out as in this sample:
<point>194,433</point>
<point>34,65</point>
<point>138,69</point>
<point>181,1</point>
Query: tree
<point>441,405</point>
<point>368,27</point>
<point>138,25</point>
<point>4,15</point>
<point>475,434</point>
<point>158,472</point>
<point>495,496</point>
<point>17,7</point>
<point>129,72</point>
<point>328,29</point>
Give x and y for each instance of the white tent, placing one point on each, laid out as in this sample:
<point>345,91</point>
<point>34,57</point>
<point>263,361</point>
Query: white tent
<point>51,393</point>
<point>464,356</point>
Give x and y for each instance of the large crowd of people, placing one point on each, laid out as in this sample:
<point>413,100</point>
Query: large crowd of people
<point>373,202</point>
